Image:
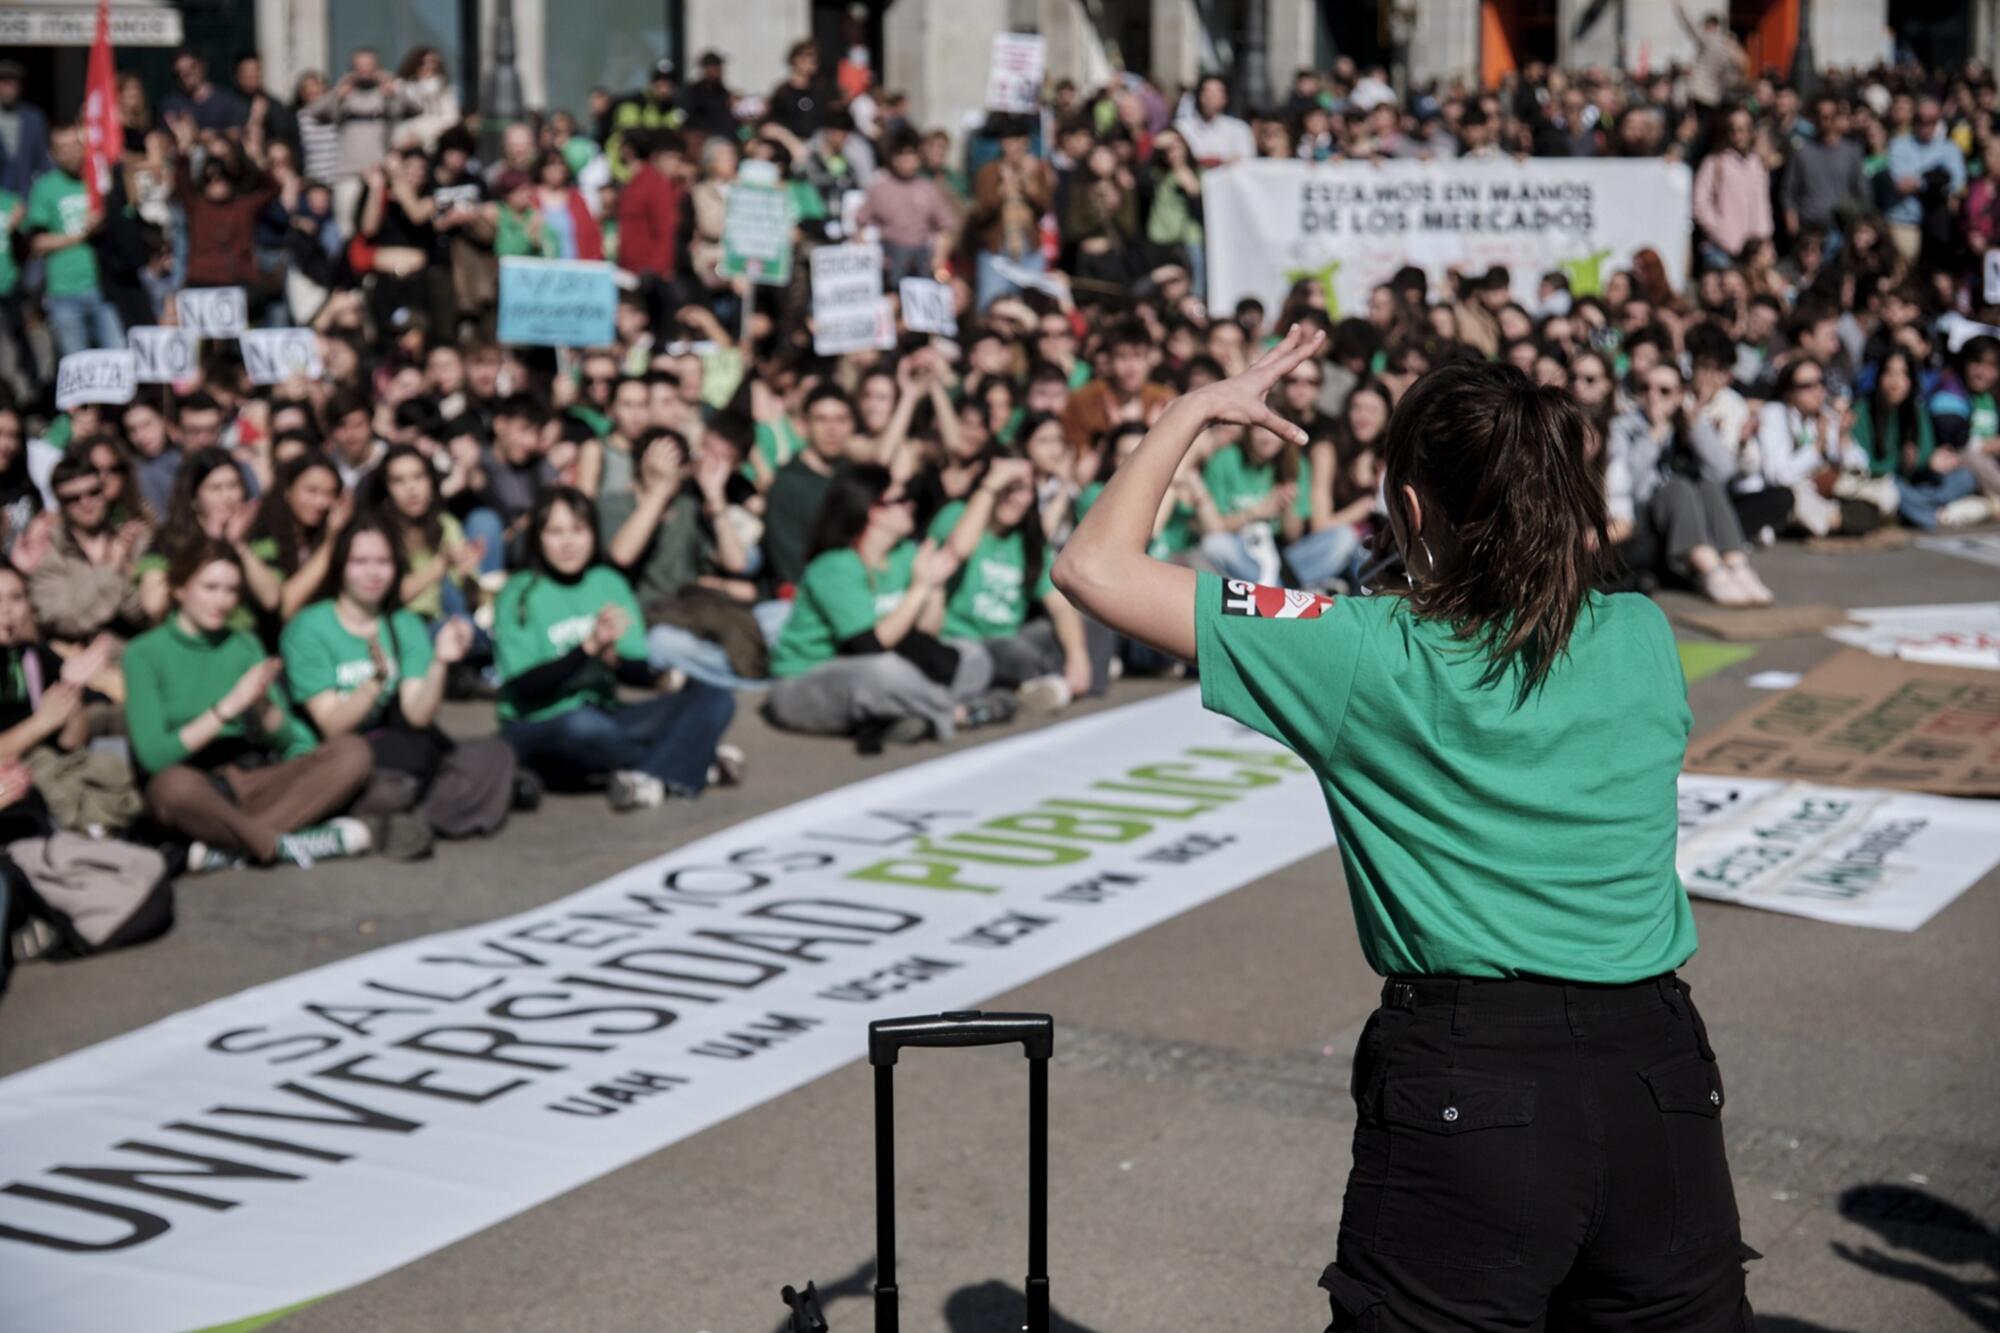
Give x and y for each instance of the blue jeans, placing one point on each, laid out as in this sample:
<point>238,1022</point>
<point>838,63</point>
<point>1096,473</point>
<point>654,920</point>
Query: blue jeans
<point>1318,558</point>
<point>83,321</point>
<point>673,737</point>
<point>669,647</point>
<point>486,523</point>
<point>1918,502</point>
<point>991,284</point>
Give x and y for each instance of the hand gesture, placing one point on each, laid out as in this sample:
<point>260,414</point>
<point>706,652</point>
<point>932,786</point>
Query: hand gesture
<point>665,467</point>
<point>933,566</point>
<point>236,527</point>
<point>15,782</point>
<point>1240,399</point>
<point>249,690</point>
<point>1004,472</point>
<point>605,633</point>
<point>81,667</point>
<point>453,642</point>
<point>340,515</point>
<point>59,704</point>
<point>378,658</point>
<point>35,542</point>
<point>711,473</point>
<point>1280,500</point>
<point>1944,460</point>
<point>465,559</point>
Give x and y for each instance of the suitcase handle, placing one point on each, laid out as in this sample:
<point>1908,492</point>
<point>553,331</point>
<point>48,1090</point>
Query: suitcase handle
<point>887,1036</point>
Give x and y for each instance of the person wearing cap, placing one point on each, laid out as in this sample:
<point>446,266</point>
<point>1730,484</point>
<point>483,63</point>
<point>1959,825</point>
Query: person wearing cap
<point>657,108</point>
<point>709,104</point>
<point>24,134</point>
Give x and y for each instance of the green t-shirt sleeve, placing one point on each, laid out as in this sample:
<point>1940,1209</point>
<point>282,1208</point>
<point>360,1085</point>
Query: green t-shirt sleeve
<point>413,646</point>
<point>310,668</point>
<point>839,588</point>
<point>41,215</point>
<point>154,744</point>
<point>1046,583</point>
<point>1088,497</point>
<point>519,644</point>
<point>947,519</point>
<point>1280,662</point>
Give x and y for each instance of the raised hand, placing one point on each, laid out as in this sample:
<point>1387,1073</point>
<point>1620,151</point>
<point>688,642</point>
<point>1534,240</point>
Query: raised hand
<point>1241,399</point>
<point>454,641</point>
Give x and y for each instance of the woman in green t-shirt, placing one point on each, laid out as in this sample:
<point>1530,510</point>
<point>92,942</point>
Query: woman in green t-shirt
<point>358,664</point>
<point>210,500</point>
<point>859,654</point>
<point>567,632</point>
<point>1499,747</point>
<point>225,762</point>
<point>296,525</point>
<point>996,543</point>
<point>436,554</point>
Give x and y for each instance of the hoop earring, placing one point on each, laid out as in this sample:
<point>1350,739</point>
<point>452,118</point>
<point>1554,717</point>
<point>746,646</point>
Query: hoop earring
<point>1430,564</point>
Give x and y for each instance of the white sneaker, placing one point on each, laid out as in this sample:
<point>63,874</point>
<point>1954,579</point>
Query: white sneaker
<point>727,770</point>
<point>1045,694</point>
<point>202,858</point>
<point>1965,512</point>
<point>323,842</point>
<point>630,789</point>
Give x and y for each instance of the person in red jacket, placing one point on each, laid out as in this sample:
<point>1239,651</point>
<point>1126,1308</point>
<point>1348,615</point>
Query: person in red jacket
<point>564,210</point>
<point>649,219</point>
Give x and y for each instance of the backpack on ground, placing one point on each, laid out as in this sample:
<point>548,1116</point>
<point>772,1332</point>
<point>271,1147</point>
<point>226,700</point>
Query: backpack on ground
<point>96,893</point>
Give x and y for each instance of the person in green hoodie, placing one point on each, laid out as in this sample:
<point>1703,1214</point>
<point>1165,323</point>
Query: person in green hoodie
<point>1893,427</point>
<point>225,762</point>
<point>567,632</point>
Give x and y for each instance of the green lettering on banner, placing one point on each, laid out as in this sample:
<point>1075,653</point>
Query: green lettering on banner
<point>919,873</point>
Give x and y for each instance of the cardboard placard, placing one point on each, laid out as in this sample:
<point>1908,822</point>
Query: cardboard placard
<point>1865,721</point>
<point>849,311</point>
<point>94,377</point>
<point>163,353</point>
<point>1759,622</point>
<point>1014,72</point>
<point>213,312</point>
<point>557,303</point>
<point>273,356</point>
<point>757,232</point>
<point>928,307</point>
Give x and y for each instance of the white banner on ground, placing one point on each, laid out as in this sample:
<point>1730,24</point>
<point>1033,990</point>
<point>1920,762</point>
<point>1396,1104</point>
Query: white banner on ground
<point>306,1135</point>
<point>1350,226</point>
<point>1958,634</point>
<point>928,307</point>
<point>213,312</point>
<point>850,313</point>
<point>1981,546</point>
<point>273,356</point>
<point>162,353</point>
<point>1856,857</point>
<point>94,377</point>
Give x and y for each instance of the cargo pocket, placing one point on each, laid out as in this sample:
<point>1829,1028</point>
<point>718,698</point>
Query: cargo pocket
<point>1688,1091</point>
<point>1460,1159</point>
<point>1355,1303</point>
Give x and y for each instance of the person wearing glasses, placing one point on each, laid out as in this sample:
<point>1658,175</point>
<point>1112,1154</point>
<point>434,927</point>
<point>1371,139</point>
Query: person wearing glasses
<point>1539,1111</point>
<point>79,562</point>
<point>1803,449</point>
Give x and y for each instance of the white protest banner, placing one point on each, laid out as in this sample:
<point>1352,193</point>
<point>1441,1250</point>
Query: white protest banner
<point>162,352</point>
<point>1014,72</point>
<point>849,312</point>
<point>273,356</point>
<point>1853,856</point>
<point>1993,277</point>
<point>757,228</point>
<point>1981,546</point>
<point>1957,634</point>
<point>213,312</point>
<point>338,1123</point>
<point>94,377</point>
<point>1348,226</point>
<point>928,307</point>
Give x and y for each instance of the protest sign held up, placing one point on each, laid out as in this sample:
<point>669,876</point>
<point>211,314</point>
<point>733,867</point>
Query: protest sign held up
<point>273,356</point>
<point>849,312</point>
<point>557,302</point>
<point>162,353</point>
<point>757,228</point>
<point>95,377</point>
<point>214,312</point>
<point>928,307</point>
<point>1014,74</point>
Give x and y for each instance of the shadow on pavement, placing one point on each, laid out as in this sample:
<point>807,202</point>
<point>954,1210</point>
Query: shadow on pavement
<point>1784,1323</point>
<point>988,1307</point>
<point>1937,1232</point>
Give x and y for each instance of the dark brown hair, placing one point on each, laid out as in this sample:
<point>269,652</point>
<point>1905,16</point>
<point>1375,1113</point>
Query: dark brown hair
<point>191,557</point>
<point>1516,532</point>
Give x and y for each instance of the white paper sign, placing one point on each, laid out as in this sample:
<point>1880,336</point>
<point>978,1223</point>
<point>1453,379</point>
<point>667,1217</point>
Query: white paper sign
<point>1960,634</point>
<point>928,307</point>
<point>214,312</point>
<point>1993,277</point>
<point>1981,546</point>
<point>273,356</point>
<point>1014,75</point>
<point>162,352</point>
<point>849,311</point>
<point>94,377</point>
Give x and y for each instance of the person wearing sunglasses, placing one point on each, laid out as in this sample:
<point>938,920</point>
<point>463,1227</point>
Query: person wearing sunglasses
<point>81,580</point>
<point>1802,448</point>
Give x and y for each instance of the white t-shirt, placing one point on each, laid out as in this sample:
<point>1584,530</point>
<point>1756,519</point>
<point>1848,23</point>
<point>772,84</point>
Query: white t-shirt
<point>1218,142</point>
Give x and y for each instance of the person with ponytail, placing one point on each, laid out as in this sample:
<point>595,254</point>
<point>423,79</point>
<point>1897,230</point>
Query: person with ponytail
<point>859,654</point>
<point>1539,1137</point>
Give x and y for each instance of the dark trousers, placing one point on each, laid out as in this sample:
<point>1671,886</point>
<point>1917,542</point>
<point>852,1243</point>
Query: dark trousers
<point>673,737</point>
<point>247,810</point>
<point>1538,1155</point>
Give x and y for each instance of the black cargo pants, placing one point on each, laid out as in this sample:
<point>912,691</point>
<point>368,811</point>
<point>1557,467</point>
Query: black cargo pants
<point>1535,1155</point>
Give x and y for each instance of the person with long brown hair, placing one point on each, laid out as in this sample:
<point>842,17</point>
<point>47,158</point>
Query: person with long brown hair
<point>1538,1136</point>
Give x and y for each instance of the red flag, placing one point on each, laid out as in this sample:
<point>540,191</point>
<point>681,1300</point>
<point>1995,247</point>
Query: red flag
<point>103,136</point>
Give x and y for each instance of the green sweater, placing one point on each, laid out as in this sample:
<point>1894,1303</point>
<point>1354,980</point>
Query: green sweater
<point>1885,454</point>
<point>173,677</point>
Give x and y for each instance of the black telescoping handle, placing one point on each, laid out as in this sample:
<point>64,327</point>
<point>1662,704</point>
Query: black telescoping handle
<point>1036,1033</point>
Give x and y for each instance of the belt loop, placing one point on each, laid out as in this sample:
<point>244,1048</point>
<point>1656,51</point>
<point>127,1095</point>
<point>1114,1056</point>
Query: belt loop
<point>1460,995</point>
<point>1669,994</point>
<point>1570,1010</point>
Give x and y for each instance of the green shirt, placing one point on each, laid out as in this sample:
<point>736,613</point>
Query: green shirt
<point>10,272</point>
<point>678,551</point>
<point>1482,835</point>
<point>776,443</point>
<point>539,619</point>
<point>838,598</point>
<point>321,654</point>
<point>1176,535</point>
<point>59,205</point>
<point>172,677</point>
<point>987,598</point>
<point>1236,483</point>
